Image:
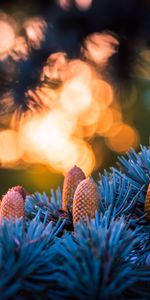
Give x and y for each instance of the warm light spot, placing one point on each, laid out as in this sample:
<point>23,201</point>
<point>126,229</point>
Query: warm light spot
<point>89,131</point>
<point>64,3</point>
<point>98,47</point>
<point>123,138</point>
<point>103,92</point>
<point>76,96</point>
<point>35,29</point>
<point>9,150</point>
<point>48,139</point>
<point>79,69</point>
<point>83,4</point>
<point>45,136</point>
<point>63,155</point>
<point>114,129</point>
<point>7,38</point>
<point>46,129</point>
<point>117,114</point>
<point>105,121</point>
<point>91,115</point>
<point>73,152</point>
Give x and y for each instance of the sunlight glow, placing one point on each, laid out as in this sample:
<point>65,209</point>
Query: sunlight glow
<point>9,150</point>
<point>70,105</point>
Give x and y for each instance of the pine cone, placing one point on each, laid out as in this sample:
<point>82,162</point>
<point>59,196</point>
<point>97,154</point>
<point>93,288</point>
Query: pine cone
<point>20,190</point>
<point>147,203</point>
<point>85,200</point>
<point>12,205</point>
<point>72,179</point>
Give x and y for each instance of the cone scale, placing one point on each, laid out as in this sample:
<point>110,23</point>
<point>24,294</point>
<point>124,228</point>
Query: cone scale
<point>72,179</point>
<point>85,201</point>
<point>20,190</point>
<point>12,205</point>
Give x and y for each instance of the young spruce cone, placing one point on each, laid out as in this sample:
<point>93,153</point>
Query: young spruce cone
<point>147,203</point>
<point>20,190</point>
<point>12,205</point>
<point>72,179</point>
<point>85,200</point>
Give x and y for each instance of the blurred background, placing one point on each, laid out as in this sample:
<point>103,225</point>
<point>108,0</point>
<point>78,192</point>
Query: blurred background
<point>74,87</point>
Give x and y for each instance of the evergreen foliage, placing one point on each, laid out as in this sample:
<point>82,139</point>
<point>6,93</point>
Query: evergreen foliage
<point>46,257</point>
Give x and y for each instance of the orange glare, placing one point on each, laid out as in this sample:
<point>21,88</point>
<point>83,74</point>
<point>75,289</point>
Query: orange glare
<point>103,92</point>
<point>76,96</point>
<point>105,121</point>
<point>123,138</point>
<point>71,104</point>
<point>9,150</point>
